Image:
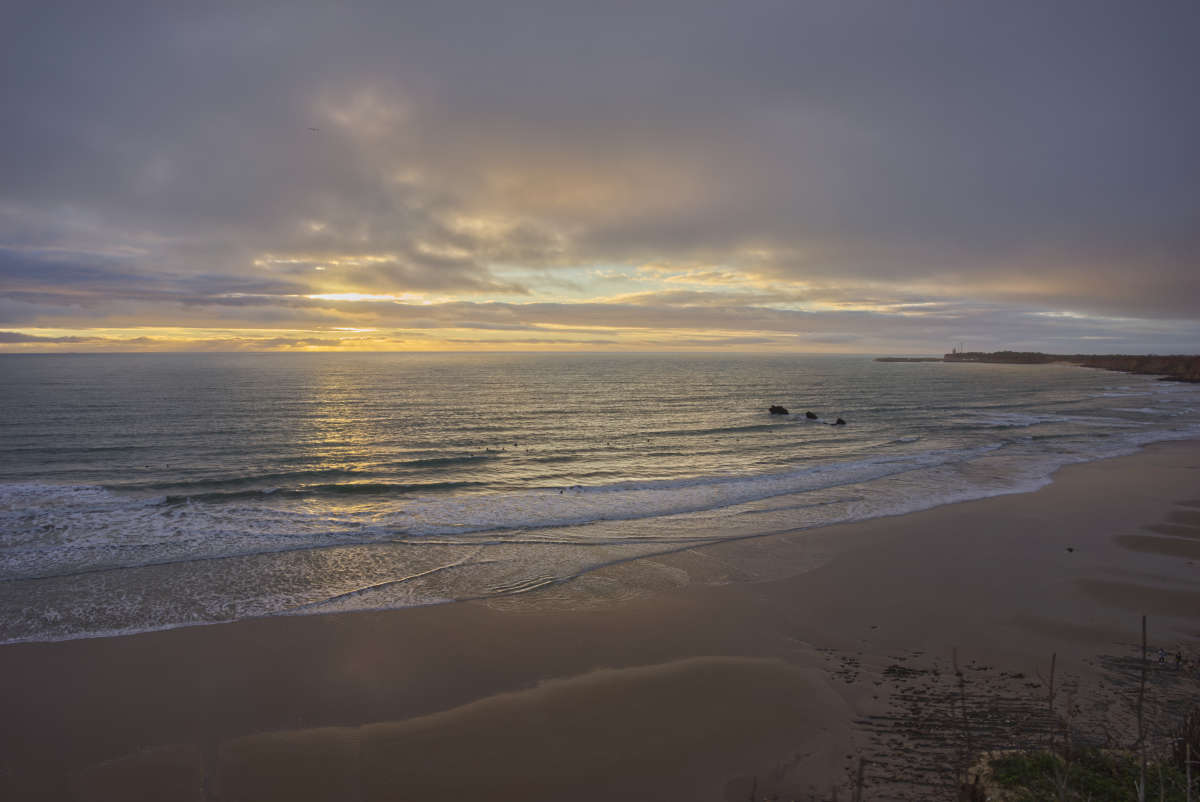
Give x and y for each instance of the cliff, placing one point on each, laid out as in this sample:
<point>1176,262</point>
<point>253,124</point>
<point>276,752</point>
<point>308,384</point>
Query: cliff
<point>1175,367</point>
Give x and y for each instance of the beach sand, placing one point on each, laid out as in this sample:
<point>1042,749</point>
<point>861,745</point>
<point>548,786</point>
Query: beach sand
<point>699,675</point>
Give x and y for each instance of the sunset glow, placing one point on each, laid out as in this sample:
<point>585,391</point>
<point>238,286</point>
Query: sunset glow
<point>874,180</point>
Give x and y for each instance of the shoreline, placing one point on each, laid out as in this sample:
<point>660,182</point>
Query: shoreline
<point>664,675</point>
<point>1172,367</point>
<point>1026,485</point>
<point>1175,367</point>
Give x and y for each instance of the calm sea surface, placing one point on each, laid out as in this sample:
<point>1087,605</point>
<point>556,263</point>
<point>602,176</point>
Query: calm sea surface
<point>148,491</point>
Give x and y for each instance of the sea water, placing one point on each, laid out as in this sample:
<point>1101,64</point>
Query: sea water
<point>146,491</point>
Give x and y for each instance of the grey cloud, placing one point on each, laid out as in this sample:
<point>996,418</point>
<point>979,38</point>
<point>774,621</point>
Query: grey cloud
<point>36,275</point>
<point>990,326</point>
<point>266,343</point>
<point>923,330</point>
<point>531,341</point>
<point>1036,155</point>
<point>222,344</point>
<point>18,337</point>
<point>714,342</point>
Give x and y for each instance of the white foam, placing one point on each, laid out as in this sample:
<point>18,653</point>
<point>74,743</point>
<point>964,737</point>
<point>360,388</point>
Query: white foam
<point>573,506</point>
<point>1014,420</point>
<point>48,529</point>
<point>157,564</point>
<point>1153,411</point>
<point>483,563</point>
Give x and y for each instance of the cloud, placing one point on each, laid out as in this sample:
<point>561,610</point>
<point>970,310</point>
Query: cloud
<point>523,341</point>
<point>779,166</point>
<point>18,337</point>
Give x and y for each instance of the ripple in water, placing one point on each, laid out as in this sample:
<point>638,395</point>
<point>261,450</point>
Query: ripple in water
<point>148,491</point>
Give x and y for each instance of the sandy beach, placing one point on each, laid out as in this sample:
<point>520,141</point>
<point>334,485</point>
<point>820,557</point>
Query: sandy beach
<point>698,675</point>
<point>596,402</point>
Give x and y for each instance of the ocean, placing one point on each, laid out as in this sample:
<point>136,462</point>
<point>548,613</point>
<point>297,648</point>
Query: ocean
<point>148,491</point>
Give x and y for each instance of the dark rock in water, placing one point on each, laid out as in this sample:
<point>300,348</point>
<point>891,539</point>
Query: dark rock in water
<point>778,410</point>
<point>810,416</point>
<point>839,422</point>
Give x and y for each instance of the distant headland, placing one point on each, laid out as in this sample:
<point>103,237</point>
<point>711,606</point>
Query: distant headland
<point>1179,368</point>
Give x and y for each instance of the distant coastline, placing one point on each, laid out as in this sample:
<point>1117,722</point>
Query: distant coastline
<point>1180,368</point>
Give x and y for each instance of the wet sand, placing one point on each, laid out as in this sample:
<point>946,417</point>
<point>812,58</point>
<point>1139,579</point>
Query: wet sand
<point>692,676</point>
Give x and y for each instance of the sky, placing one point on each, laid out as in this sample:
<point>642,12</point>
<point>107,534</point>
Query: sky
<point>849,177</point>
